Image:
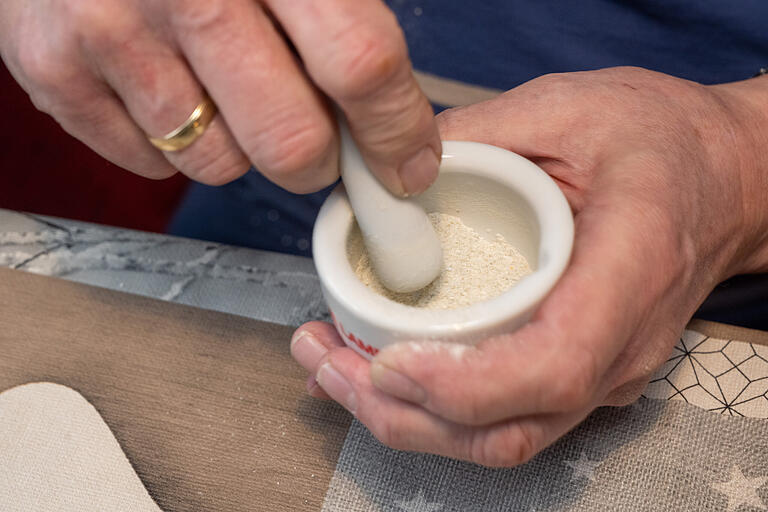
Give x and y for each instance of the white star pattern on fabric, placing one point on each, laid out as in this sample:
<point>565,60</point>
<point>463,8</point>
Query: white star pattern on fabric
<point>741,490</point>
<point>582,468</point>
<point>419,504</point>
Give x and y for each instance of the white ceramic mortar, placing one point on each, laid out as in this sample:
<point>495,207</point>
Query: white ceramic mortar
<point>493,191</point>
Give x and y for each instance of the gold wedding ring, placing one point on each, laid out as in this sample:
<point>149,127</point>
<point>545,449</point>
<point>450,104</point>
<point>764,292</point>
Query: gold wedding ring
<point>190,130</point>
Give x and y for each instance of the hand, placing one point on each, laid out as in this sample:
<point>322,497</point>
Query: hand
<point>112,71</point>
<point>668,199</point>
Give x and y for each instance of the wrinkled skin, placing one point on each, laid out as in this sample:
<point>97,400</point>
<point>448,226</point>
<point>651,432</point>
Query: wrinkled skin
<point>112,71</point>
<point>669,195</point>
<point>667,180</point>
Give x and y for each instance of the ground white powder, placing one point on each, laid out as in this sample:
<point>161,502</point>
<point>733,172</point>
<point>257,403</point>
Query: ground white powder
<point>474,269</point>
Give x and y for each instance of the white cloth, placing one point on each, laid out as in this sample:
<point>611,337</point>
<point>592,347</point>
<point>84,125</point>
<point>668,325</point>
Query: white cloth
<point>57,454</point>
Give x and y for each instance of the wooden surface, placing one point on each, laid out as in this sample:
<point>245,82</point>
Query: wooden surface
<point>209,408</point>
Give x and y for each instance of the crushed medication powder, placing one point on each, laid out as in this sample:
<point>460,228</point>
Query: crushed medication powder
<point>474,268</point>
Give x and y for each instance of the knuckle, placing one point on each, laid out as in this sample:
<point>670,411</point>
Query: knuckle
<point>628,72</point>
<point>513,445</point>
<point>450,121</point>
<point>524,448</point>
<point>99,29</point>
<point>479,449</point>
<point>51,84</point>
<point>554,83</point>
<point>73,115</point>
<point>518,447</point>
<point>199,15</point>
<point>470,410</point>
<point>159,97</point>
<point>628,69</point>
<point>98,35</point>
<point>40,68</point>
<point>153,172</point>
<point>372,62</point>
<point>213,165</point>
<point>390,433</point>
<point>465,404</point>
<point>221,172</point>
<point>156,102</point>
<point>578,381</point>
<point>626,393</point>
<point>289,148</point>
<point>41,102</point>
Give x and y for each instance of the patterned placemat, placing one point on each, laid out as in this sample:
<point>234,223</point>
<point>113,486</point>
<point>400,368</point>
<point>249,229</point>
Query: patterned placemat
<point>719,375</point>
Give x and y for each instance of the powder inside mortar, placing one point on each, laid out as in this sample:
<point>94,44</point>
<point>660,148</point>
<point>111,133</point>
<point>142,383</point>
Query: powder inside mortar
<point>474,269</point>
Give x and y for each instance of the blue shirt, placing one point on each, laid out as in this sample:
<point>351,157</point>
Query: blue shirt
<point>501,44</point>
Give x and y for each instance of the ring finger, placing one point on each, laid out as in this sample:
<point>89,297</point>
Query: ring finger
<point>278,117</point>
<point>159,92</point>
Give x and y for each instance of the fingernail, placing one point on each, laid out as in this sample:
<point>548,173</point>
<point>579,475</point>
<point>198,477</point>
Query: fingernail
<point>337,387</point>
<point>419,171</point>
<point>307,350</point>
<point>396,384</point>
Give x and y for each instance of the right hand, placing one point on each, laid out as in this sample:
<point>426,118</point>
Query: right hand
<point>668,183</point>
<point>112,71</point>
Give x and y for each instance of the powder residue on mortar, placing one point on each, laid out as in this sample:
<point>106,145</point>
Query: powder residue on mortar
<point>474,268</point>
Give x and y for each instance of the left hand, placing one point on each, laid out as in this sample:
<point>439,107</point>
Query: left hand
<point>668,196</point>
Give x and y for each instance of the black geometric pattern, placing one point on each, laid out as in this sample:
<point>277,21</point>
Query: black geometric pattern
<point>722,376</point>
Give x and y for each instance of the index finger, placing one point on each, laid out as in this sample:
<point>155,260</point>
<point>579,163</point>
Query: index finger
<point>355,52</point>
